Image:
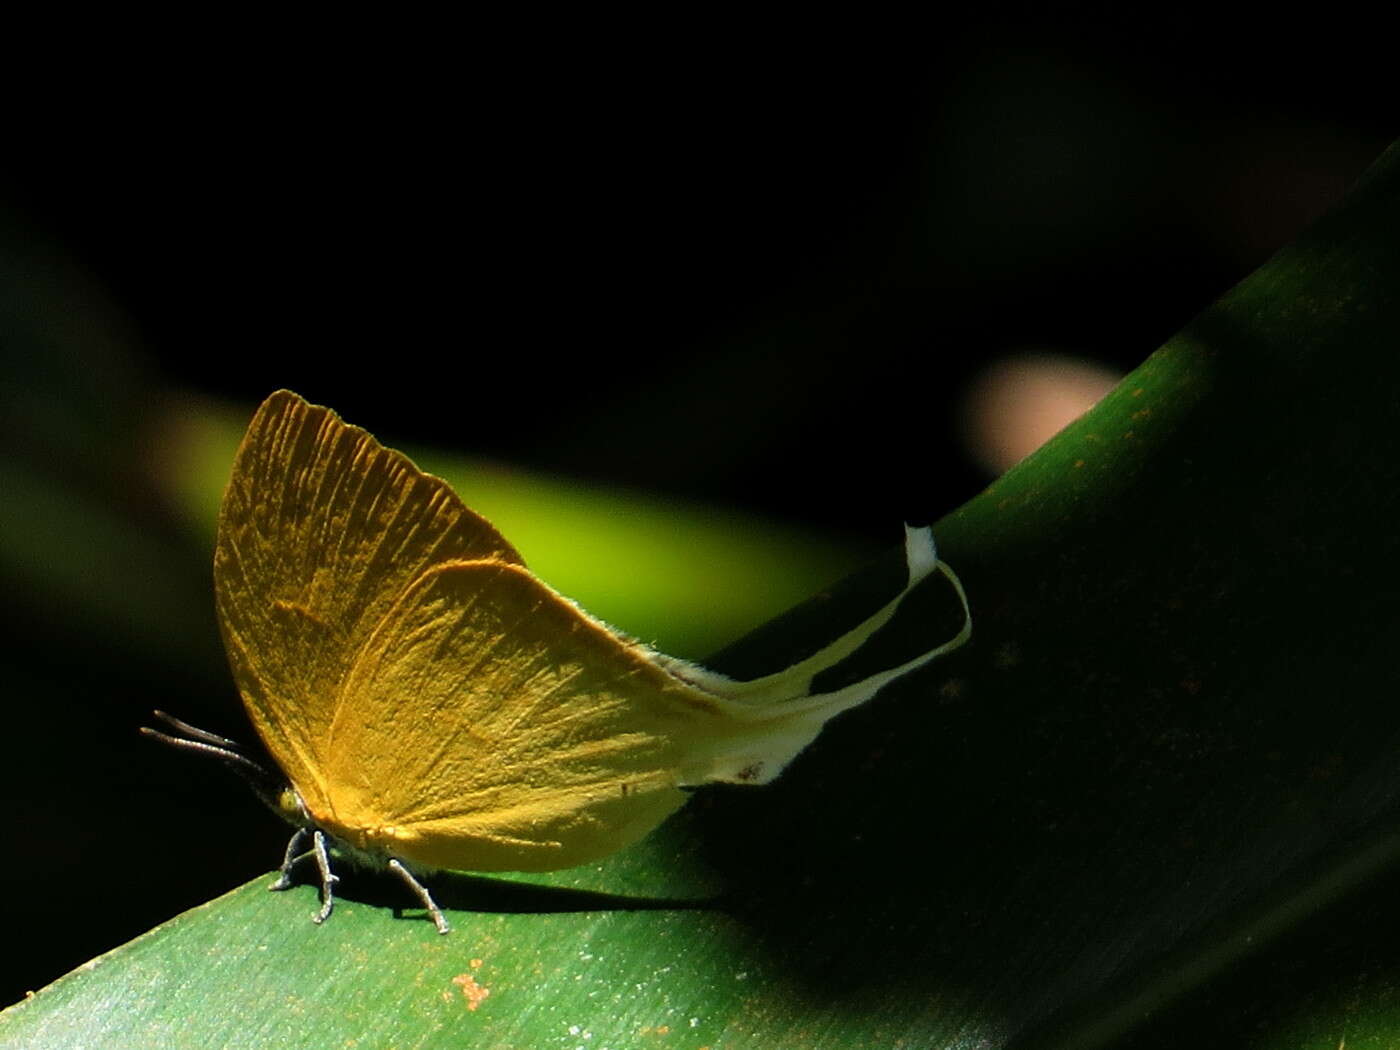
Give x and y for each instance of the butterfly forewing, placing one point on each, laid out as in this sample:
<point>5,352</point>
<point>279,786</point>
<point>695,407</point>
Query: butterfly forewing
<point>321,531</point>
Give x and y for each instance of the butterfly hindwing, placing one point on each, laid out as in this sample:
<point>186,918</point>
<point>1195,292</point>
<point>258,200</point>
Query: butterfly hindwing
<point>535,738</point>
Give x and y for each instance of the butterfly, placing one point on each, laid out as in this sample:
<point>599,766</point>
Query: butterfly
<point>431,704</point>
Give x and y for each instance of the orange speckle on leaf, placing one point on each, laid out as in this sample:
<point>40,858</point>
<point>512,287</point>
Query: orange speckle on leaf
<point>1078,463</point>
<point>472,992</point>
<point>475,964</point>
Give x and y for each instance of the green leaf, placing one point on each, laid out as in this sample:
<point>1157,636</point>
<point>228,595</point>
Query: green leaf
<point>1113,819</point>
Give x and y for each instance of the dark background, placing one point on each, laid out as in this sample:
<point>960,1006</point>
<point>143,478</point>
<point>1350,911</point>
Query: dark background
<point>757,269</point>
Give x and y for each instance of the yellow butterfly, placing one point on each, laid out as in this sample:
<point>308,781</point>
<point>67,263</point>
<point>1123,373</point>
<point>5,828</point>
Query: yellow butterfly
<point>433,704</point>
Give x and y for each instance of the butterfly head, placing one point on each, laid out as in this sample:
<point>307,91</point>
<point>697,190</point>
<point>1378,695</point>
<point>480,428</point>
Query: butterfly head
<point>290,807</point>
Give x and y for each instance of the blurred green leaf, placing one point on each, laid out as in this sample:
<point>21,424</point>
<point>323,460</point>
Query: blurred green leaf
<point>1115,819</point>
<point>684,577</point>
<point>74,549</point>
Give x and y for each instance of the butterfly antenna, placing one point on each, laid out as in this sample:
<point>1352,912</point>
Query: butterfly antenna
<point>195,732</point>
<point>266,786</point>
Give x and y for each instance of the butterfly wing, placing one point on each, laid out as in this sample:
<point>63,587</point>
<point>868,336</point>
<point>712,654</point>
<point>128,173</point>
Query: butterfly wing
<point>321,531</point>
<point>491,725</point>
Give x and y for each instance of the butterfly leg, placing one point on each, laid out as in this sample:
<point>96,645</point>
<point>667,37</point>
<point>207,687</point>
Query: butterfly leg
<point>296,849</point>
<point>328,878</point>
<point>421,892</point>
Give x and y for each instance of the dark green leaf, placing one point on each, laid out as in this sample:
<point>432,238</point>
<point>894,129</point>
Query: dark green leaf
<point>1171,742</point>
